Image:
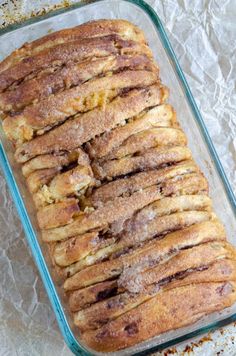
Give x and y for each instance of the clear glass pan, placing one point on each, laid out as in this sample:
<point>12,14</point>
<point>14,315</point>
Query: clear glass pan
<point>138,12</point>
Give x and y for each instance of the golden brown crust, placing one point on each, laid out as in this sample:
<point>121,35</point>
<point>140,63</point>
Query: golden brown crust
<point>172,204</point>
<point>160,314</point>
<point>149,159</point>
<point>153,137</point>
<point>104,216</point>
<point>150,254</point>
<point>128,185</point>
<point>122,208</point>
<point>126,241</point>
<point>93,29</point>
<point>219,271</point>
<point>40,177</point>
<point>51,111</point>
<point>58,214</point>
<point>81,298</point>
<point>159,116</point>
<point>77,50</point>
<point>55,161</point>
<point>72,74</point>
<point>63,185</point>
<point>75,248</point>
<point>75,132</point>
<point>139,288</point>
<point>187,262</point>
<point>133,233</point>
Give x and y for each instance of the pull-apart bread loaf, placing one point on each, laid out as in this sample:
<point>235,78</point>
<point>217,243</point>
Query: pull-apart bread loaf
<point>121,203</point>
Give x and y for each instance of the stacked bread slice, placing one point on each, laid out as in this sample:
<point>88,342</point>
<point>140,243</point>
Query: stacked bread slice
<point>121,203</point>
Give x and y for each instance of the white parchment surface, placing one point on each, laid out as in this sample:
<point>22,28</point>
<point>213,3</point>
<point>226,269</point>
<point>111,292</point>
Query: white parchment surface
<point>203,35</point>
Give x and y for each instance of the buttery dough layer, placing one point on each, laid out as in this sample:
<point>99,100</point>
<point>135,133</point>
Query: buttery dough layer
<point>77,50</point>
<point>65,250</point>
<point>121,204</point>
<point>55,161</point>
<point>41,177</point>
<point>158,177</point>
<point>132,233</point>
<point>123,207</point>
<point>128,185</point>
<point>148,255</point>
<point>163,207</point>
<point>82,298</point>
<point>160,116</point>
<point>55,109</point>
<point>155,229</point>
<point>167,206</point>
<point>68,252</point>
<point>139,288</point>
<point>106,215</point>
<point>65,184</point>
<point>153,137</point>
<point>160,314</point>
<point>78,247</point>
<point>200,256</point>
<point>219,271</point>
<point>158,227</point>
<point>93,29</point>
<point>83,128</point>
<point>61,214</point>
<point>149,159</point>
<point>72,74</point>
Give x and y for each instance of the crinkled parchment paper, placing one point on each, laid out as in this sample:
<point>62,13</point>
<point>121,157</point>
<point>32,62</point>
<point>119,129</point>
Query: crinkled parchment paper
<point>203,35</point>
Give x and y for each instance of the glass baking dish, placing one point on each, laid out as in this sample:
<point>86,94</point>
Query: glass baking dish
<point>138,12</point>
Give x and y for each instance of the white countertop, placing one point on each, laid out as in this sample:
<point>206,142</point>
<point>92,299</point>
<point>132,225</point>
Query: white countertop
<point>203,35</point>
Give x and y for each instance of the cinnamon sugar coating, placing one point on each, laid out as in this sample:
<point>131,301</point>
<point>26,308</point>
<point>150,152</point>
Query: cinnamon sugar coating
<point>121,204</point>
